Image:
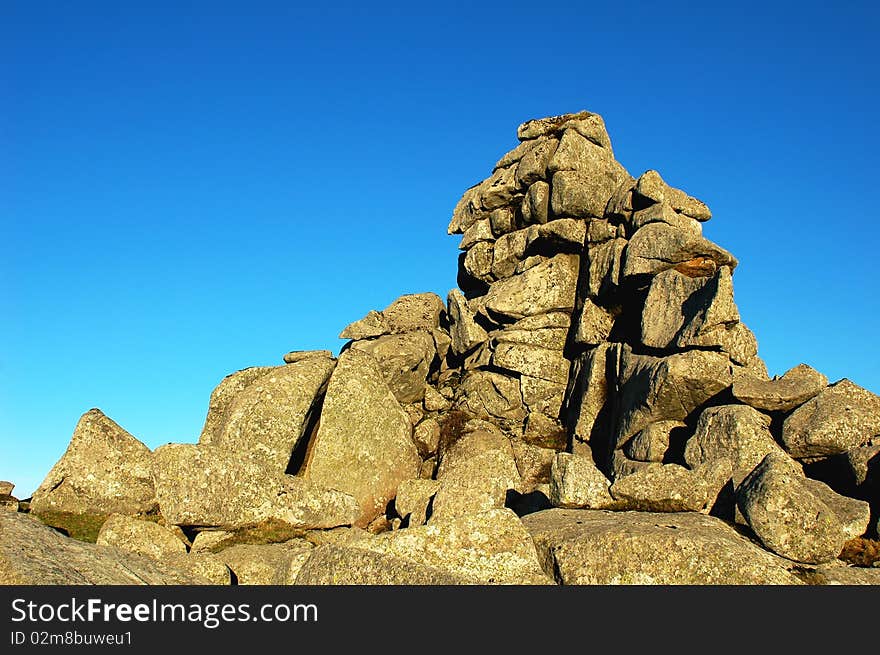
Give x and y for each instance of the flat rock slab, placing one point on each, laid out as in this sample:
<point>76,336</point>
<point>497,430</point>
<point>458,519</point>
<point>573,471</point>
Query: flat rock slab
<point>596,547</point>
<point>34,554</point>
<point>796,387</point>
<point>487,548</point>
<point>333,564</point>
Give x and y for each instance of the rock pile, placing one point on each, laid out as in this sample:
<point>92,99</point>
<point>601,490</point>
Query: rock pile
<point>586,408</point>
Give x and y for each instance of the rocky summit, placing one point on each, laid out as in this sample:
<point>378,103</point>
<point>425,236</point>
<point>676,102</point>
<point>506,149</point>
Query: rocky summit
<point>587,407</point>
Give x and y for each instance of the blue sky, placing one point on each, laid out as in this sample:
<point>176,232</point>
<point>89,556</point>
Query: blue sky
<point>188,189</point>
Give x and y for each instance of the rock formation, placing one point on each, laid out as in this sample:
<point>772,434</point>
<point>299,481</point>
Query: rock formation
<point>586,408</point>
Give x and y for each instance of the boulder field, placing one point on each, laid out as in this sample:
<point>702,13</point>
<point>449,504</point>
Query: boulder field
<point>587,407</point>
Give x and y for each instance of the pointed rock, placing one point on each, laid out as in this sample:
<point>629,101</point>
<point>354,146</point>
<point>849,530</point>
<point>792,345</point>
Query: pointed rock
<point>657,247</point>
<point>465,332</point>
<point>404,360</point>
<point>105,470</point>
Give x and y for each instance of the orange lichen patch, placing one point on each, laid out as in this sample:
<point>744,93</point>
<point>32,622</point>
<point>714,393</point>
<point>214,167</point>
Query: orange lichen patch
<point>698,267</point>
<point>861,552</point>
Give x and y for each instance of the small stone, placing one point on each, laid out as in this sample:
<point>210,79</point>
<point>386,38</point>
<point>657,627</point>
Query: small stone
<point>414,498</point>
<point>426,436</point>
<point>371,325</point>
<point>299,355</point>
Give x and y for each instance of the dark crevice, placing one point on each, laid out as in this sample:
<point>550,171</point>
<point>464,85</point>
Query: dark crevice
<point>300,454</point>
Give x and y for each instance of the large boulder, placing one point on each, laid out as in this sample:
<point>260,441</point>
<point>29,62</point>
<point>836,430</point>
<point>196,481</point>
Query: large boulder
<point>267,564</point>
<point>210,487</point>
<point>841,417</point>
<point>670,488</point>
<point>595,547</point>
<point>465,332</point>
<point>34,554</point>
<point>547,287</point>
<point>780,394</point>
<point>223,395</point>
<point>105,470</point>
<point>487,394</point>
<point>797,518</point>
<point>266,420</point>
<point>657,247</point>
<point>363,445</point>
<point>404,360</point>
<point>736,432</point>
<point>575,481</point>
<point>667,388</point>
<point>682,311</point>
<point>335,564</point>
<point>140,536</point>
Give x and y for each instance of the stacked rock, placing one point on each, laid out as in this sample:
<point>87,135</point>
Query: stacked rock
<point>591,371</point>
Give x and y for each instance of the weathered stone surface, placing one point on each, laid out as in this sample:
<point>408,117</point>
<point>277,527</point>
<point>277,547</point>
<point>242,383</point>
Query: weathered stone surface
<point>414,311</point>
<point>426,436</point>
<point>533,166</point>
<point>537,362</point>
<point>6,488</point>
<point>788,516</point>
<point>104,470</point>
<point>651,187</point>
<point>736,432</point>
<point>576,482</point>
<point>854,515</point>
<point>682,311</point>
<point>536,204</point>
<point>605,263</point>
<point>475,475</point>
<point>467,210</point>
<point>651,443</point>
<point>301,355</point>
<point>223,395</point>
<point>267,564</point>
<point>593,324</point>
<point>540,395</point>
<point>479,231</point>
<point>435,401</point>
<point>552,338</point>
<point>533,463</point>
<point>841,417</point>
<point>209,541</point>
<point>34,554</point>
<point>796,387</point>
<point>541,430</point>
<point>413,499</point>
<point>622,466</point>
<point>205,486</point>
<point>602,547</point>
<point>202,565</point>
<point>266,420</point>
<point>577,153</point>
<point>498,189</point>
<point>486,394</point>
<point>139,536</point>
<point>657,247</point>
<point>583,194</point>
<point>371,325</point>
<point>465,332</point>
<point>864,462</point>
<point>588,392</point>
<point>586,123</point>
<point>486,548</point>
<point>347,565</point>
<point>839,574</point>
<point>664,213</point>
<point>478,262</point>
<point>547,287</point>
<point>667,488</point>
<point>363,446</point>
<point>404,360</point>
<point>667,388</point>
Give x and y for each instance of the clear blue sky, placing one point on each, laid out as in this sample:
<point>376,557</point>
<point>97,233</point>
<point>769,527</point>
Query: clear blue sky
<point>188,189</point>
